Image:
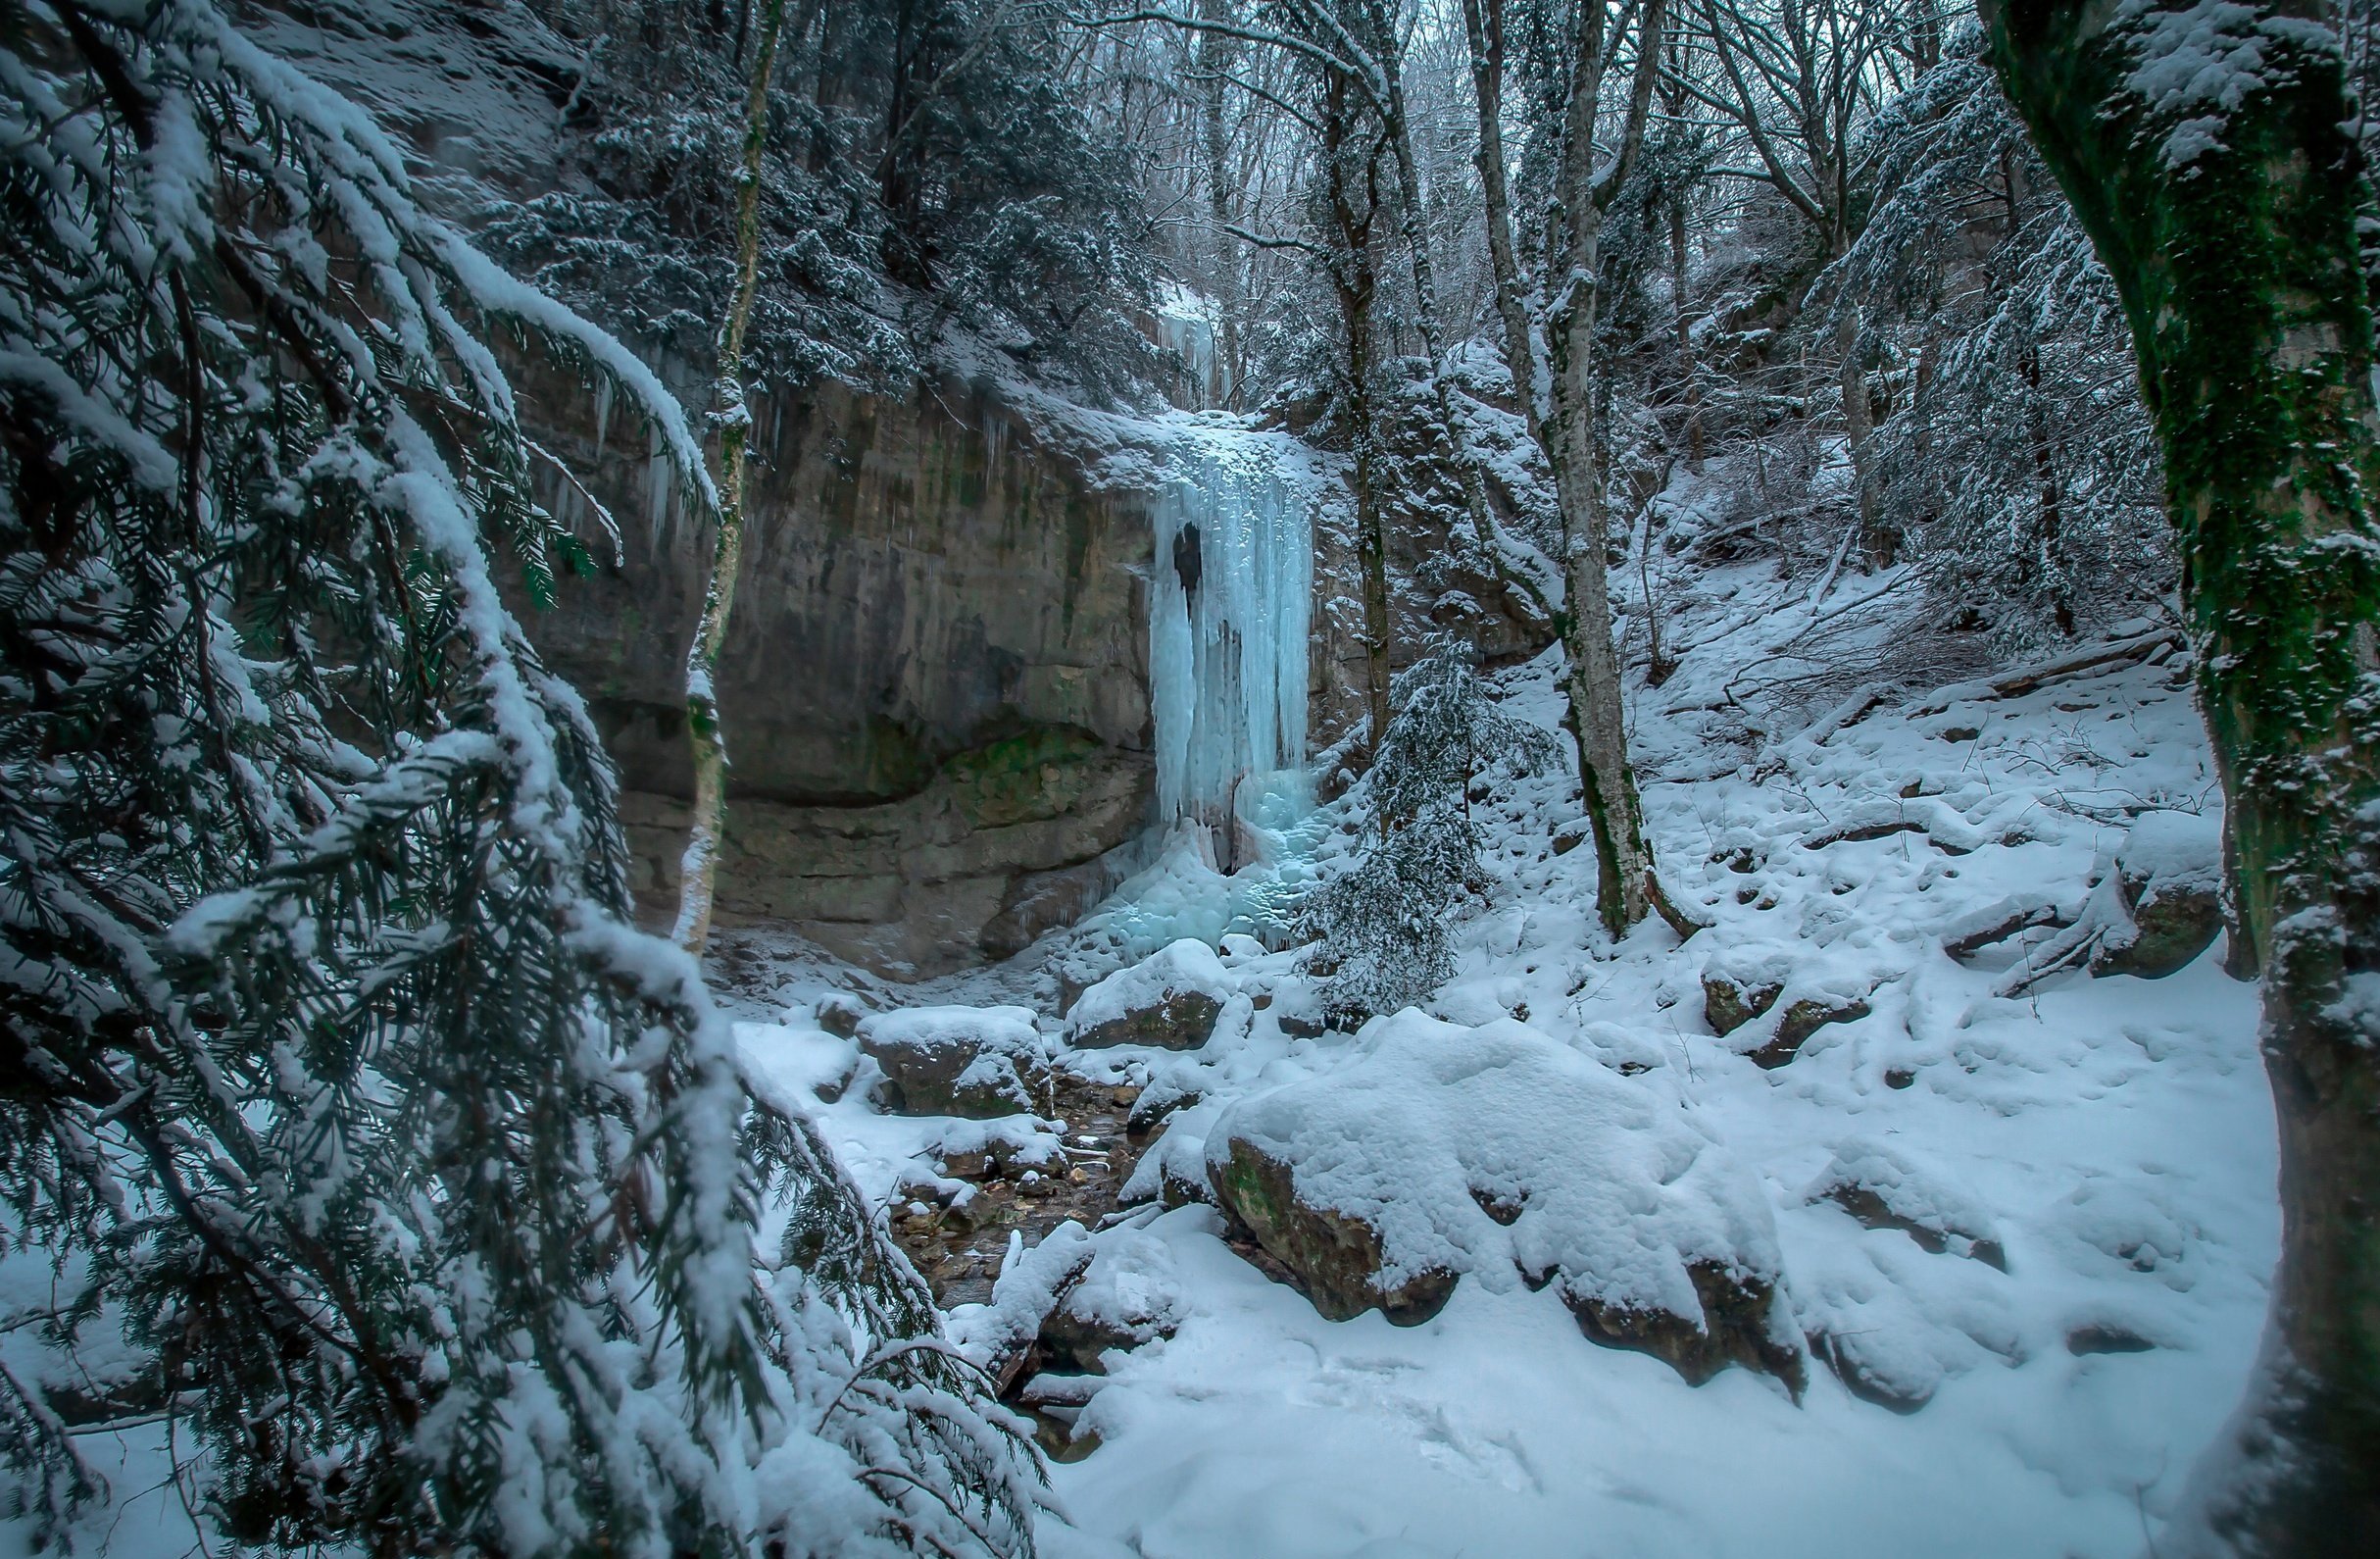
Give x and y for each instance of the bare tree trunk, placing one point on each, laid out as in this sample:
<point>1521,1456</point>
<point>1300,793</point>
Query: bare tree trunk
<point>1483,24</point>
<point>1628,890</point>
<point>1689,379</point>
<point>1875,538</point>
<point>1425,282</point>
<point>1597,712</point>
<point>2238,264</point>
<point>698,870</point>
<point>1215,56</point>
<point>1356,280</point>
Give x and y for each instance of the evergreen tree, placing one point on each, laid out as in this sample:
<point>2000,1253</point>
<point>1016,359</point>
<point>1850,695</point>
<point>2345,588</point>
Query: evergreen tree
<point>1383,927</point>
<point>926,162</point>
<point>2016,460</point>
<point>335,1077</point>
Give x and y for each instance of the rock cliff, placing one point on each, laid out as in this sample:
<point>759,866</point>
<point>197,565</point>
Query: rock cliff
<point>935,681</point>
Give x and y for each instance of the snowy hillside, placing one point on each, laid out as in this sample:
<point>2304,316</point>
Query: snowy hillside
<point>2025,1233</point>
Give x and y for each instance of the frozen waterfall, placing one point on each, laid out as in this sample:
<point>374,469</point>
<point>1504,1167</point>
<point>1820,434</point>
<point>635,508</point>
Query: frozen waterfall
<point>1233,587</point>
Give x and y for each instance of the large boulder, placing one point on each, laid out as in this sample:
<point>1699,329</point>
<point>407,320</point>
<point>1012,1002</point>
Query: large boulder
<point>1437,1152</point>
<point>975,1062</point>
<point>1340,1259</point>
<point>2169,879</point>
<point>1168,999</point>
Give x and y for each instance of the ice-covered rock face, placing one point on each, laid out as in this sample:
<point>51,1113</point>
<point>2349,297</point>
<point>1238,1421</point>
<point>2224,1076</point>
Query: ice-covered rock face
<point>966,1061</point>
<point>1168,999</point>
<point>1232,599</point>
<point>1439,1152</point>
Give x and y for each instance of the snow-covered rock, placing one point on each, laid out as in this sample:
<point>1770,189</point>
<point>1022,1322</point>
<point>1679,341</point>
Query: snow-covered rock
<point>1130,1295</point>
<point>966,1061</point>
<point>1168,999</point>
<point>1437,1152</point>
<point>1743,985</point>
<point>999,1337</point>
<point>1884,1187</point>
<point>1739,986</point>
<point>840,1013</point>
<point>1172,1172</point>
<point>1062,1304</point>
<point>2168,874</point>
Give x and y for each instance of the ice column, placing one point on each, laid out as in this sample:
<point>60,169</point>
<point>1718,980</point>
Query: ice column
<point>1233,573</point>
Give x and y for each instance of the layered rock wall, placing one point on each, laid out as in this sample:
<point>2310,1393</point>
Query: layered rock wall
<point>936,683</point>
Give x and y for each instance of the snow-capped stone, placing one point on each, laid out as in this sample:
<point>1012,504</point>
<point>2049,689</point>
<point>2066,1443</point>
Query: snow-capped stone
<point>1805,1016</point>
<point>1739,985</point>
<point>2168,874</point>
<point>1130,1295</point>
<point>1743,985</point>
<point>1174,1171</point>
<point>999,1337</point>
<point>1884,1187</point>
<point>966,1061</point>
<point>1168,999</point>
<point>840,1013</point>
<point>1437,1152</point>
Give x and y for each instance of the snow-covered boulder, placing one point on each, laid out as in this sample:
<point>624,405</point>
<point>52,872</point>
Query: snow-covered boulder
<point>998,1338</point>
<point>2168,876</point>
<point>1884,1187</point>
<point>1739,986</point>
<point>967,1061</point>
<point>1064,1303</point>
<point>1128,1296</point>
<point>1743,985</point>
<point>1168,999</point>
<point>1829,1001</point>
<point>840,1013</point>
<point>1438,1151</point>
<point>1172,1172</point>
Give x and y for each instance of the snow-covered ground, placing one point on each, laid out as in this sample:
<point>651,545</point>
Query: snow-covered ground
<point>2114,1135</point>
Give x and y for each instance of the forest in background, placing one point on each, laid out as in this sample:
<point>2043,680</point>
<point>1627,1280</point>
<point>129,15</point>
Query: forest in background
<point>382,1159</point>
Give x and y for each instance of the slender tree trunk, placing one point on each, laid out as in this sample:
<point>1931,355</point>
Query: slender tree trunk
<point>1483,26</point>
<point>1690,383</point>
<point>2049,503</point>
<point>1599,717</point>
<point>1214,56</point>
<point>2233,247</point>
<point>1356,280</point>
<point>1628,890</point>
<point>1425,280</point>
<point>698,870</point>
<point>1875,539</point>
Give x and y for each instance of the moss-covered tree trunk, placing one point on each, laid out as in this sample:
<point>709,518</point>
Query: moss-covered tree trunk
<point>1567,429</point>
<point>2203,147</point>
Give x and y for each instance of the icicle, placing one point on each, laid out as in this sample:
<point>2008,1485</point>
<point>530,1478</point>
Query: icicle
<point>603,415</point>
<point>658,496</point>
